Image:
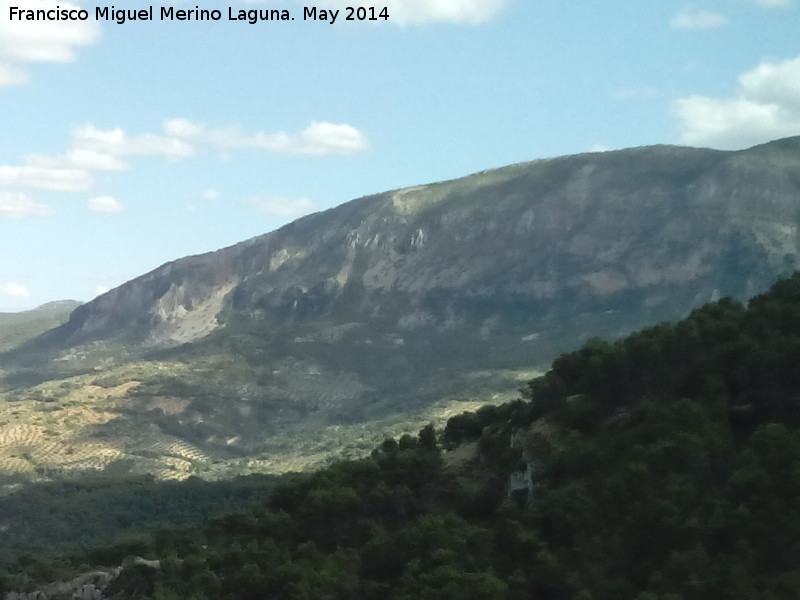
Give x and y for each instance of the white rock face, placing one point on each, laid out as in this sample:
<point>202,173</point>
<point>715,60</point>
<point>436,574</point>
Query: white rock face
<point>647,230</point>
<point>87,586</point>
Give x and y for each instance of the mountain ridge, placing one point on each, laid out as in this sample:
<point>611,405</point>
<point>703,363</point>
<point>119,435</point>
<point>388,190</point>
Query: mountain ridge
<point>394,303</point>
<point>20,326</point>
<point>227,259</point>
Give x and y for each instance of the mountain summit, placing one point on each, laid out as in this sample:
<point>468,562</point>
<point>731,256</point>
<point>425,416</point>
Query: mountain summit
<point>650,229</point>
<point>392,302</point>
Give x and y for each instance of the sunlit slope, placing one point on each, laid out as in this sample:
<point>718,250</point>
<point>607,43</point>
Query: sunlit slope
<point>281,351</point>
<point>19,327</point>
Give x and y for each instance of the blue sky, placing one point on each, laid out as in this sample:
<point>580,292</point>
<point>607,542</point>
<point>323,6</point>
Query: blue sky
<point>126,146</point>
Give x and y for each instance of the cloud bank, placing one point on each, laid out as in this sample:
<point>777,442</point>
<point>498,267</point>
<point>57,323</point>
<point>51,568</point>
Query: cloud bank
<point>318,139</point>
<point>23,42</point>
<point>765,107</point>
<point>45,178</point>
<point>92,149</point>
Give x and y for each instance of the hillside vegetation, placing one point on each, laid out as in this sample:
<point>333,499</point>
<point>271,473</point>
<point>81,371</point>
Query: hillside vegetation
<point>19,327</point>
<point>315,341</point>
<point>662,466</point>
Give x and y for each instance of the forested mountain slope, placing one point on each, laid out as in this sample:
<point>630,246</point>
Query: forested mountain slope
<point>661,466</point>
<point>391,310</point>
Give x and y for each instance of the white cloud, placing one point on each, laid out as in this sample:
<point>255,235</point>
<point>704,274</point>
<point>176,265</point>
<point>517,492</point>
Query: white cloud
<point>600,148</point>
<point>211,194</point>
<point>14,290</point>
<point>78,158</point>
<point>318,139</point>
<point>277,206</point>
<point>777,83</point>
<point>408,12</point>
<point>116,142</point>
<point>56,179</point>
<point>766,107</point>
<point>100,290</point>
<point>697,18</point>
<point>16,205</point>
<point>97,149</point>
<point>90,149</point>
<point>105,204</point>
<point>93,149</point>
<point>23,41</point>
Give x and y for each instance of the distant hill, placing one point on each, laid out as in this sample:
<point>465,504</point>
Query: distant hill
<point>19,327</point>
<point>395,309</point>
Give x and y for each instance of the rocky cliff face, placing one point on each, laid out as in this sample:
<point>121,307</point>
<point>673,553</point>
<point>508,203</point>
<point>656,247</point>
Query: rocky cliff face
<point>87,586</point>
<point>663,227</point>
<point>432,291</point>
